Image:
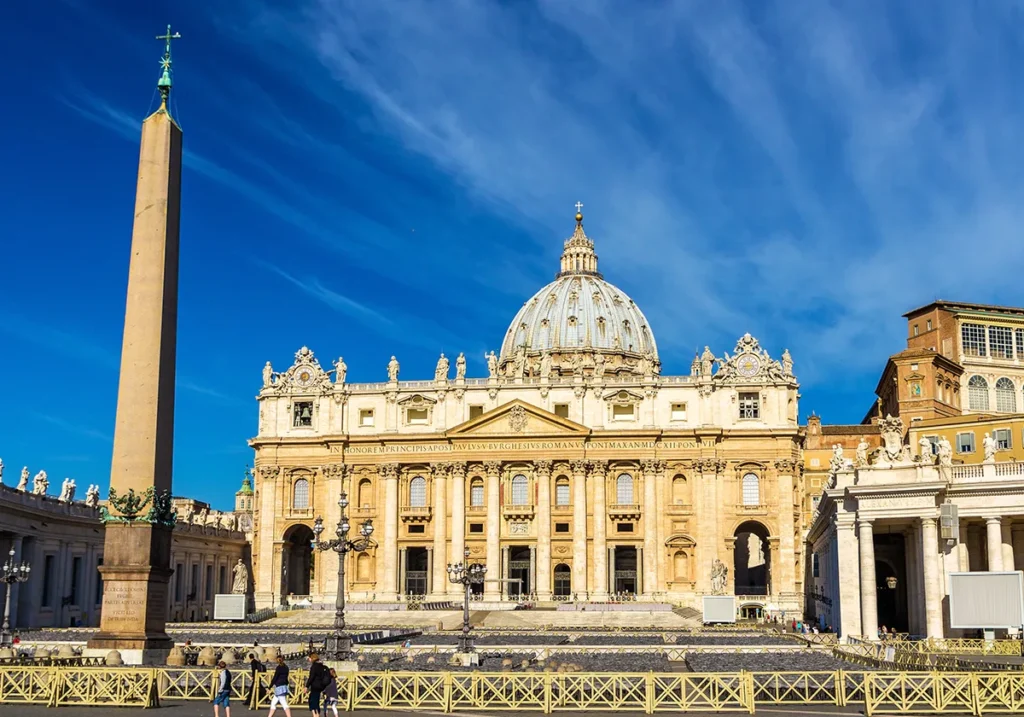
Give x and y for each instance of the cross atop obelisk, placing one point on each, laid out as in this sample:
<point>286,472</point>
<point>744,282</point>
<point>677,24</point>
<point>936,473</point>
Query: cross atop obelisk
<point>138,515</point>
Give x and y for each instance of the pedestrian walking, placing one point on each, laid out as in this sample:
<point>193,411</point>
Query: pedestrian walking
<point>279,685</point>
<point>256,668</point>
<point>331,694</point>
<point>223,697</point>
<point>316,682</point>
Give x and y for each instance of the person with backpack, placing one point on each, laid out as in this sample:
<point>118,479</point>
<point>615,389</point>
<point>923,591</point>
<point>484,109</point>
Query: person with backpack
<point>255,667</point>
<point>317,682</point>
<point>223,697</point>
<point>331,694</point>
<point>279,685</point>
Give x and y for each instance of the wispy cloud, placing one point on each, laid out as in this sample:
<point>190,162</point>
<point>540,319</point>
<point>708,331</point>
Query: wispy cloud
<point>70,427</point>
<point>312,287</point>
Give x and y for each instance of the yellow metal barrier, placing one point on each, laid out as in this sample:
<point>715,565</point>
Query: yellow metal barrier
<point>916,692</point>
<point>121,687</point>
<point>27,685</point>
<point>805,688</point>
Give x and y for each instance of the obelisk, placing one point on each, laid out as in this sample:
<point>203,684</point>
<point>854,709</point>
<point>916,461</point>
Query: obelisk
<point>139,522</point>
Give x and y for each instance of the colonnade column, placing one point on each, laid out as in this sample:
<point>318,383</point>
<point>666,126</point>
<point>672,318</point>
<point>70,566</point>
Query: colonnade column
<point>599,477</point>
<point>868,588</point>
<point>389,543</point>
<point>14,588</point>
<point>650,470</point>
<point>439,519</point>
<point>492,588</point>
<point>542,578</point>
<point>848,572</point>
<point>1007,540</point>
<point>1018,546</point>
<point>458,521</point>
<point>932,589</point>
<point>994,533</point>
<point>579,520</point>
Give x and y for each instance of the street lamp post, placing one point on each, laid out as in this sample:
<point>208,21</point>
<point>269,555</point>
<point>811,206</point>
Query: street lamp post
<point>339,644</point>
<point>466,575</point>
<point>12,573</point>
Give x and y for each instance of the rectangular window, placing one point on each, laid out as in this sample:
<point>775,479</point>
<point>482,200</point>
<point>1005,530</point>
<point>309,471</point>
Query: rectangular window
<point>965,442</point>
<point>561,527</point>
<point>562,409</point>
<point>562,493</point>
<point>416,416</point>
<point>179,582</point>
<point>417,529</point>
<point>815,500</point>
<point>750,405</point>
<point>76,576</point>
<point>928,325</point>
<point>475,411</point>
<point>814,565</point>
<point>99,583</point>
<point>678,411</point>
<point>624,527</point>
<point>48,581</point>
<point>815,462</point>
<point>972,336</point>
<point>222,580</point>
<point>209,582</point>
<point>1019,340</point>
<point>1000,342</point>
<point>366,417</point>
<point>622,412</point>
<point>1003,439</point>
<point>476,494</point>
<point>302,414</point>
<point>917,332</point>
<point>476,527</point>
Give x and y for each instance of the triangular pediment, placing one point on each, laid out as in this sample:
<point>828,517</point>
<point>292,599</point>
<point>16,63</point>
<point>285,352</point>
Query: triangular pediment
<point>518,418</point>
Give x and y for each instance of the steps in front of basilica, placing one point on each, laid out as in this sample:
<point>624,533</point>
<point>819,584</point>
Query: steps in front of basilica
<point>452,619</point>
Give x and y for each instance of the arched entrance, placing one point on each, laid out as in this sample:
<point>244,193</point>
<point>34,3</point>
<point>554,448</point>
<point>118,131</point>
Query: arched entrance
<point>891,581</point>
<point>563,581</point>
<point>751,559</point>
<point>297,561</point>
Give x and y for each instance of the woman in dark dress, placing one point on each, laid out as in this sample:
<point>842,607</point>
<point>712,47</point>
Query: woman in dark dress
<point>316,682</point>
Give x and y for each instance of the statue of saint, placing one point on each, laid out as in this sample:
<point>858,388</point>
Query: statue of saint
<point>241,583</point>
<point>707,361</point>
<point>441,372</point>
<point>268,374</point>
<point>926,450</point>
<point>989,444</point>
<point>340,371</point>
<point>862,453</point>
<point>599,360</point>
<point>190,514</point>
<point>787,363</point>
<point>719,577</point>
<point>92,496</point>
<point>40,484</point>
<point>460,367</point>
<point>23,481</point>
<point>492,365</point>
<point>1,470</point>
<point>945,452</point>
<point>545,365</point>
<point>393,369</point>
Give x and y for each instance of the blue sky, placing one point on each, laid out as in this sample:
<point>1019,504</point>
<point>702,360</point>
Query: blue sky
<point>377,178</point>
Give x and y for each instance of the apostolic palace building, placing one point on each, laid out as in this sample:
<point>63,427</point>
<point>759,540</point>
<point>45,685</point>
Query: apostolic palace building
<point>575,470</point>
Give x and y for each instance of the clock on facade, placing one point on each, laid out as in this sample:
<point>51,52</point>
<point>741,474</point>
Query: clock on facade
<point>304,377</point>
<point>747,365</point>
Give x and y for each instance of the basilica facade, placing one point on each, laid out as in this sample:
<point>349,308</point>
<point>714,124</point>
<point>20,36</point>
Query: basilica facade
<point>575,470</point>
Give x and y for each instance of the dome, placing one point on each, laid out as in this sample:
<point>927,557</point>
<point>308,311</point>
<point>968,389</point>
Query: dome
<point>577,318</point>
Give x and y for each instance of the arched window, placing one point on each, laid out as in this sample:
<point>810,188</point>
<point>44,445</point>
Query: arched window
<point>300,494</point>
<point>476,493</point>
<point>751,489</point>
<point>624,489</point>
<point>1006,396</point>
<point>519,490</point>
<point>563,580</point>
<point>418,492</point>
<point>679,490</point>
<point>364,497</point>
<point>977,394</point>
<point>562,491</point>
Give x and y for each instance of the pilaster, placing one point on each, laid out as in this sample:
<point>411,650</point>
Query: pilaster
<point>932,589</point>
<point>542,576</point>
<point>599,478</point>
<point>440,524</point>
<point>389,552</point>
<point>579,519</point>
<point>458,473</point>
<point>493,588</point>
<point>651,579</point>
<point>868,586</point>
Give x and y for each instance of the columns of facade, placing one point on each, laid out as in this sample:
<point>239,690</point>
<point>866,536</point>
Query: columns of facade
<point>458,521</point>
<point>599,477</point>
<point>783,565</point>
<point>579,520</point>
<point>389,541</point>
<point>994,544</point>
<point>932,588</point>
<point>1006,529</point>
<point>650,508</point>
<point>439,578</point>
<point>661,499</point>
<point>868,587</point>
<point>915,605</point>
<point>492,587</point>
<point>1018,546</point>
<point>706,508</point>
<point>542,578</point>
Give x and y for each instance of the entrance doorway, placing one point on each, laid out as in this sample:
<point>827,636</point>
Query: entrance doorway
<point>520,582</point>
<point>891,581</point>
<point>297,561</point>
<point>563,581</point>
<point>751,611</point>
<point>415,571</point>
<point>625,570</point>
<point>752,559</point>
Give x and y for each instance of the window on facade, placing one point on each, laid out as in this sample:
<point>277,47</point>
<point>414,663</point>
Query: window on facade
<point>751,489</point>
<point>519,490</point>
<point>209,582</point>
<point>1006,396</point>
<point>977,394</point>
<point>750,405</point>
<point>416,416</point>
<point>624,489</point>
<point>179,582</point>
<point>916,330</point>
<point>1019,341</point>
<point>561,527</point>
<point>302,414</point>
<point>678,411</point>
<point>624,527</point>
<point>562,409</point>
<point>815,500</point>
<point>928,325</point>
<point>475,411</point>
<point>418,492</point>
<point>366,417</point>
<point>562,491</point>
<point>300,494</point>
<point>417,529</point>
<point>934,440</point>
<point>476,527</point>
<point>814,565</point>
<point>1000,342</point>
<point>972,336</point>
<point>1003,439</point>
<point>563,580</point>
<point>965,442</point>
<point>476,493</point>
<point>622,412</point>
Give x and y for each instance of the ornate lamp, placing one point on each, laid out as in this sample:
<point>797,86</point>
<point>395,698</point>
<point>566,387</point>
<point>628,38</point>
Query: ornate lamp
<point>12,573</point>
<point>466,574</point>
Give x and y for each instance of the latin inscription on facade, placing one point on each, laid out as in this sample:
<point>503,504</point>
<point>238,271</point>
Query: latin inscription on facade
<point>484,446</point>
